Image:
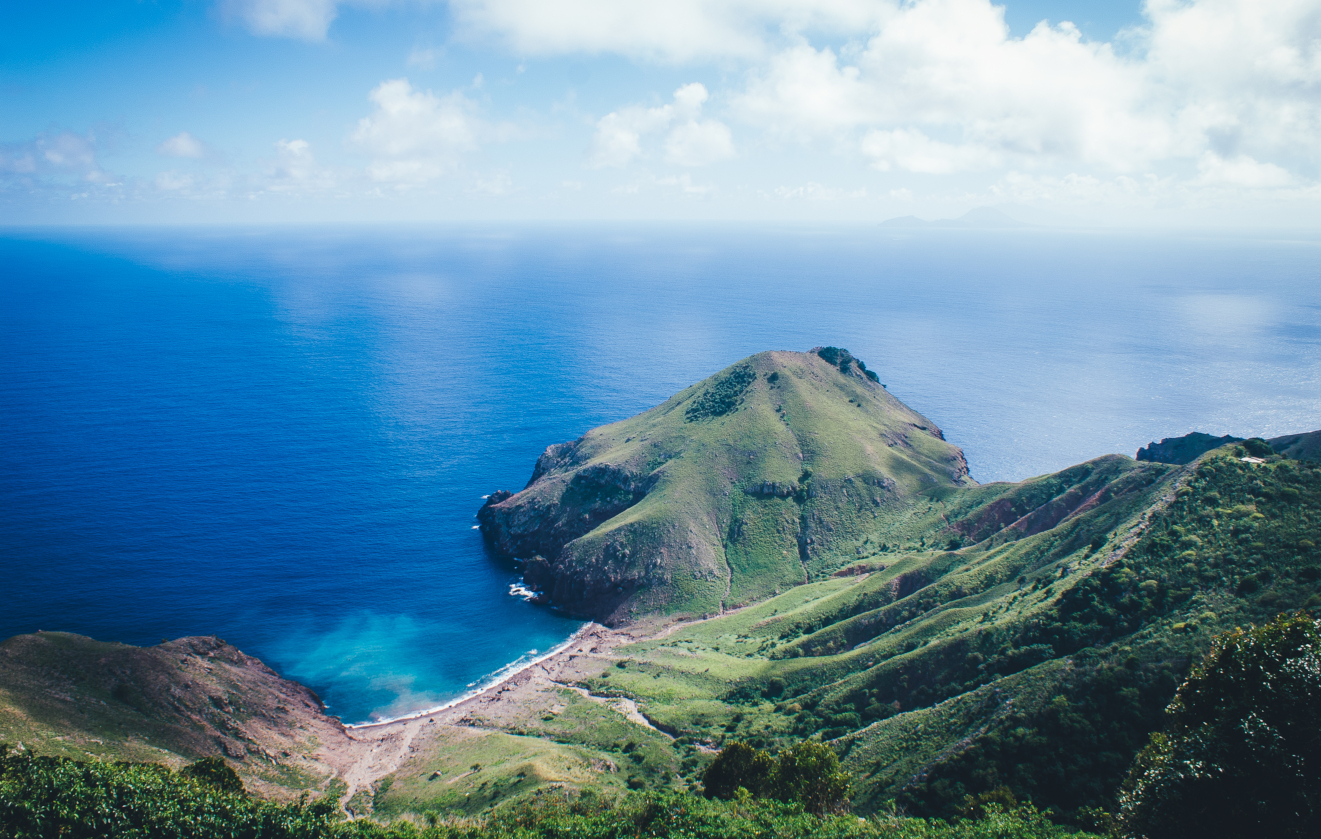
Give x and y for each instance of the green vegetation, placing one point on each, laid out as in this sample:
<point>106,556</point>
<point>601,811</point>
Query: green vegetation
<point>1239,756</point>
<point>470,772</point>
<point>1034,660</point>
<point>722,396</point>
<point>807,774</point>
<point>173,703</point>
<point>844,360</point>
<point>52,796</point>
<point>48,796</point>
<point>758,479</point>
<point>903,639</point>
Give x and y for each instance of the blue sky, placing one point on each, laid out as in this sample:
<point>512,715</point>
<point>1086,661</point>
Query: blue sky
<point>1168,112</point>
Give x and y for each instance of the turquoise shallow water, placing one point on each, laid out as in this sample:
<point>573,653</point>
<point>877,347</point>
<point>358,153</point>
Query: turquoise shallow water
<point>282,436</point>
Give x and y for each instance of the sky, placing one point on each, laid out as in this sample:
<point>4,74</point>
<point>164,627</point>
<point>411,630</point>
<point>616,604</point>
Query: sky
<point>1148,113</point>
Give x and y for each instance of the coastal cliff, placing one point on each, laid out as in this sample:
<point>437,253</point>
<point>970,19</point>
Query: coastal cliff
<point>738,487</point>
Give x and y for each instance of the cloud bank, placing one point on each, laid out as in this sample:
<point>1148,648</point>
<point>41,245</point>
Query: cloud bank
<point>1204,102</point>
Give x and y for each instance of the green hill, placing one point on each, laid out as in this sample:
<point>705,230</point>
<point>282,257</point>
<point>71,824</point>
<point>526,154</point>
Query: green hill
<point>1037,657</point>
<point>955,643</point>
<point>176,702</point>
<point>948,638</point>
<point>750,482</point>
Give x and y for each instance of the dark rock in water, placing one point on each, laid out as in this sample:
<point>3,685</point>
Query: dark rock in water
<point>1185,449</point>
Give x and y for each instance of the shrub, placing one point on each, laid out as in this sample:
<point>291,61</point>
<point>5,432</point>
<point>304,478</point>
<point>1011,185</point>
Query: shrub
<point>723,396</point>
<point>216,773</point>
<point>738,765</point>
<point>1241,753</point>
<point>1258,447</point>
<point>807,774</point>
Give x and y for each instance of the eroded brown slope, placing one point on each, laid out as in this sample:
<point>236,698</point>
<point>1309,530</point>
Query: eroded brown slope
<point>177,701</point>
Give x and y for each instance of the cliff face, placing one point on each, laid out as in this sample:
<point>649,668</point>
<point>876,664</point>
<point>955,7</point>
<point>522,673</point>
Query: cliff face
<point>748,482</point>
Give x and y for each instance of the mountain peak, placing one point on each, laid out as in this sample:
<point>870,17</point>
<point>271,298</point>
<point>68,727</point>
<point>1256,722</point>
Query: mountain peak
<point>736,487</point>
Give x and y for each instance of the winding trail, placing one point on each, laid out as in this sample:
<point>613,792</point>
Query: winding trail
<point>622,704</point>
<point>382,754</point>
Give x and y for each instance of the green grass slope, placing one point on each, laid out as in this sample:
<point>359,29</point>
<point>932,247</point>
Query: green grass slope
<point>755,480</point>
<point>1034,649</point>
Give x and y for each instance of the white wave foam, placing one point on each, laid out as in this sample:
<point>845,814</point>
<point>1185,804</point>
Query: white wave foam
<point>520,590</point>
<point>513,668</point>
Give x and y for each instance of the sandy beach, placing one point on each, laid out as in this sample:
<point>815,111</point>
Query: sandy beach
<point>377,749</point>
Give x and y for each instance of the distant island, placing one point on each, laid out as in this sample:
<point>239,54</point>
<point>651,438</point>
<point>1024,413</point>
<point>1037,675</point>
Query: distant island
<point>783,559</point>
<point>981,218</point>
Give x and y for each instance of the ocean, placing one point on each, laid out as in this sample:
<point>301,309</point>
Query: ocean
<point>281,436</point>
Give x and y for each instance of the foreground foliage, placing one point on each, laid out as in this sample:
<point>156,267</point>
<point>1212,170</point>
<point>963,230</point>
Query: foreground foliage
<point>1241,755</point>
<point>807,774</point>
<point>49,797</point>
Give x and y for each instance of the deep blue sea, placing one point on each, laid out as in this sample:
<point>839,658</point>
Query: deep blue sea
<point>281,436</point>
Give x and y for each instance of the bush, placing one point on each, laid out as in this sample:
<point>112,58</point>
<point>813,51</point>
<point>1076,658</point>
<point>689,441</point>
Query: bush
<point>48,797</point>
<point>738,766</point>
<point>722,397</point>
<point>807,774</point>
<point>215,773</point>
<point>1241,753</point>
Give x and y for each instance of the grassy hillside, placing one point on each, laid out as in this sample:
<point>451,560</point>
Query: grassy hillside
<point>1037,656</point>
<point>71,696</point>
<point>750,482</point>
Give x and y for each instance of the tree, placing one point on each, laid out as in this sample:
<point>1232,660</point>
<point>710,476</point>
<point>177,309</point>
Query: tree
<point>806,774</point>
<point>1241,752</point>
<point>809,774</point>
<point>738,765</point>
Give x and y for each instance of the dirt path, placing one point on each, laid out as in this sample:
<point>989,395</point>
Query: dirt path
<point>621,704</point>
<point>382,751</point>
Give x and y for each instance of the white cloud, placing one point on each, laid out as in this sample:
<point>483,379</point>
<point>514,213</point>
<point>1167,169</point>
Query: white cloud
<point>950,66</point>
<point>1241,171</point>
<point>182,144</point>
<point>306,19</point>
<point>691,142</point>
<point>675,31</point>
<point>1232,87</point>
<point>813,191</point>
<point>172,181</point>
<point>416,136</point>
<point>499,183</point>
<point>683,183</point>
<point>618,139</point>
<point>55,158</point>
<point>914,151</point>
<point>296,169</point>
<point>699,143</point>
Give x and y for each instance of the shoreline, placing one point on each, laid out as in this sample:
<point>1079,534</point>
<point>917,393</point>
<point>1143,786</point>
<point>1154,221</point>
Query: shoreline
<point>499,677</point>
